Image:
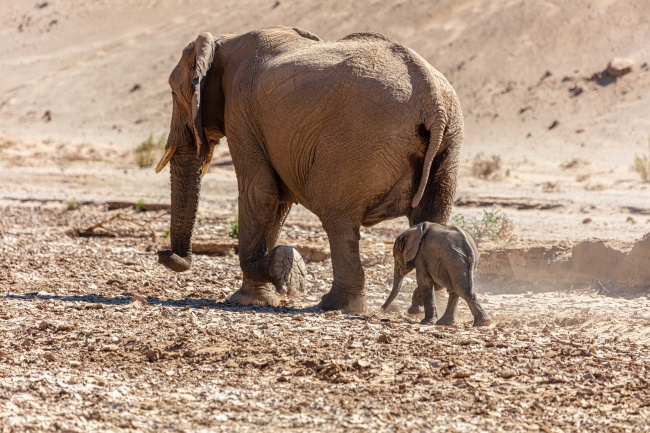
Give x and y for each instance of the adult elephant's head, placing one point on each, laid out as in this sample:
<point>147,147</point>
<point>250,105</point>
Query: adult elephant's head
<point>197,103</point>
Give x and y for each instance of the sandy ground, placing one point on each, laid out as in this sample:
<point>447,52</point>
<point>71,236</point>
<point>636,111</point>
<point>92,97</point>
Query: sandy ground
<point>95,336</point>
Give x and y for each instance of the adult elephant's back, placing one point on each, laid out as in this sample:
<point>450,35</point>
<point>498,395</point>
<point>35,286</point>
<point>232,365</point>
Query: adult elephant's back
<point>353,115</point>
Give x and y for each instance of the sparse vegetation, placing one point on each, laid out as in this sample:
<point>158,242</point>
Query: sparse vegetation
<point>642,164</point>
<point>234,228</point>
<point>594,187</point>
<point>149,150</point>
<point>72,204</point>
<point>494,225</point>
<point>549,186</point>
<point>139,205</point>
<point>485,167</point>
<point>166,234</point>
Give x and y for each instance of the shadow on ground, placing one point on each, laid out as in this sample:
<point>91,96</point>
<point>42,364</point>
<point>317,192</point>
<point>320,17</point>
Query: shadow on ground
<point>201,303</point>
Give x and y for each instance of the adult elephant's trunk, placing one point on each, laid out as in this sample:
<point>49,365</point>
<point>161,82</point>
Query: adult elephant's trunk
<point>397,285</point>
<point>185,188</point>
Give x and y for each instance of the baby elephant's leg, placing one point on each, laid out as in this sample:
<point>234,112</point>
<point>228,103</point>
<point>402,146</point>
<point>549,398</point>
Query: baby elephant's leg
<point>425,285</point>
<point>429,305</point>
<point>416,302</point>
<point>463,286</point>
<point>449,318</point>
<point>480,316</point>
<point>469,295</point>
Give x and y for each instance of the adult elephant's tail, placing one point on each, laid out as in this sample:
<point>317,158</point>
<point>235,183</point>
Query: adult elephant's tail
<point>435,139</point>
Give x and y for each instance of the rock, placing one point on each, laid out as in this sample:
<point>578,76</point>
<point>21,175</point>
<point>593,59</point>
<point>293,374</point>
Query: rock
<point>362,363</point>
<point>383,338</point>
<point>138,298</point>
<point>618,67</point>
<point>153,355</point>
<point>43,325</point>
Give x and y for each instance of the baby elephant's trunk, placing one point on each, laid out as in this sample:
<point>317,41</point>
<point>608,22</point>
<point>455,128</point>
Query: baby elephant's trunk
<point>397,284</point>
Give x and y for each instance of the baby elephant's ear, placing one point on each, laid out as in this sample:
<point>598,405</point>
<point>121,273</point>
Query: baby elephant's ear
<point>411,241</point>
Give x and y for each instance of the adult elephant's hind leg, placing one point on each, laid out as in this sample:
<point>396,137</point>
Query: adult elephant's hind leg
<point>348,292</point>
<point>268,271</point>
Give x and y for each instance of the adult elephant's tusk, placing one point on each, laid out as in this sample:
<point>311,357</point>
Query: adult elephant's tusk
<point>208,160</point>
<point>166,158</point>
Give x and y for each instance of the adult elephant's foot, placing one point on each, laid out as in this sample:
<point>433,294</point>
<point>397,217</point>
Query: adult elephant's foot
<point>338,299</point>
<point>287,270</point>
<point>256,294</point>
<point>284,268</point>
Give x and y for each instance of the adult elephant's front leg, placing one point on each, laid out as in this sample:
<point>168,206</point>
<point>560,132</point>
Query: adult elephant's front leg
<point>268,270</point>
<point>348,290</point>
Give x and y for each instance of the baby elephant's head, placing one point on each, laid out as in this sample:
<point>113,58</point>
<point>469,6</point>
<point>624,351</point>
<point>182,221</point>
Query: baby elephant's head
<point>404,251</point>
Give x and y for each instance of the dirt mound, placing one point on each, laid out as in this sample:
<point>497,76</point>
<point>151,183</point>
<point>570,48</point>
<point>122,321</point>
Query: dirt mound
<point>588,262</point>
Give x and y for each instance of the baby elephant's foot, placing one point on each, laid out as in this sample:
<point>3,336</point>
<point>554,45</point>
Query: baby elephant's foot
<point>287,270</point>
<point>426,321</point>
<point>482,321</point>
<point>415,309</point>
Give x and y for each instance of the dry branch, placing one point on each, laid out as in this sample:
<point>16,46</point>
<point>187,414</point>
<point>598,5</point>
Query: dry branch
<point>90,231</point>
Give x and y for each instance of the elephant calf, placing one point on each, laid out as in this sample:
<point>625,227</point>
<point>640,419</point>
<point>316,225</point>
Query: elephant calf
<point>443,256</point>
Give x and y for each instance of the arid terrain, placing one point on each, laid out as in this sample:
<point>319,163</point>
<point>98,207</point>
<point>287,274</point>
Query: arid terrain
<point>95,336</point>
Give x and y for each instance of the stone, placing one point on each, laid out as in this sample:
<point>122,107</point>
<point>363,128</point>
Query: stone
<point>618,67</point>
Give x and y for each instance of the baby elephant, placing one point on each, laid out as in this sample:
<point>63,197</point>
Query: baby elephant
<point>443,256</point>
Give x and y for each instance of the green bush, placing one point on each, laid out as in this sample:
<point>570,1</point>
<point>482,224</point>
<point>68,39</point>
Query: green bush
<point>494,225</point>
<point>72,204</point>
<point>149,151</point>
<point>139,205</point>
<point>234,228</point>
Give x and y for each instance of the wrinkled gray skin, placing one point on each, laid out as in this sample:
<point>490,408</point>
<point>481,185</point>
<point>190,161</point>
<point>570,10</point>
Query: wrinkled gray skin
<point>443,257</point>
<point>357,130</point>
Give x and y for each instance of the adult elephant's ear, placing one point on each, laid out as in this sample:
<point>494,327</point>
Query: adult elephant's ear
<point>204,52</point>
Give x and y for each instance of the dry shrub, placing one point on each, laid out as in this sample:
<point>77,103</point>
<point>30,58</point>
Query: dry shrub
<point>149,151</point>
<point>574,163</point>
<point>495,225</point>
<point>551,187</point>
<point>642,165</point>
<point>485,167</point>
<point>595,187</point>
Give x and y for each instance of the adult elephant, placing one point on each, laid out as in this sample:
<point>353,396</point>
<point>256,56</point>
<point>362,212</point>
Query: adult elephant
<point>357,130</point>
